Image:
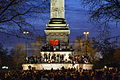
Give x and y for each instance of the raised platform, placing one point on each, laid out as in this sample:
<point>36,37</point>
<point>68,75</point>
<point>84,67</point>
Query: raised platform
<point>55,66</point>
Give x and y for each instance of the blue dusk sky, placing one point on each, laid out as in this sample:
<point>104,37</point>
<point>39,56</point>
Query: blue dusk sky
<point>76,16</point>
<point>78,19</point>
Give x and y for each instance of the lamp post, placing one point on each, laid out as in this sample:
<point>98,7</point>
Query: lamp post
<point>25,32</point>
<point>86,35</point>
<point>86,40</point>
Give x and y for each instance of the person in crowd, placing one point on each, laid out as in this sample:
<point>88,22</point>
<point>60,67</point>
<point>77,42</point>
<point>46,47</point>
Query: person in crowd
<point>64,74</point>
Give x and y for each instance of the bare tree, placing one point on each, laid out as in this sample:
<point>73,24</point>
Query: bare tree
<point>18,54</point>
<point>13,14</point>
<point>104,13</point>
<point>108,10</point>
<point>37,46</point>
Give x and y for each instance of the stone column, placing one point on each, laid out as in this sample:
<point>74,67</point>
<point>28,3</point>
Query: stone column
<point>57,9</point>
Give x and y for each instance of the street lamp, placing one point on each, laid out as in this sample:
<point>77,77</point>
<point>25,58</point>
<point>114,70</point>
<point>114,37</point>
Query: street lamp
<point>25,32</point>
<point>86,35</point>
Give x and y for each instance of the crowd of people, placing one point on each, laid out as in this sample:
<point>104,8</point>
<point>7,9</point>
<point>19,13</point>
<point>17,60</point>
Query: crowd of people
<point>56,59</point>
<point>57,48</point>
<point>64,74</point>
<point>45,59</point>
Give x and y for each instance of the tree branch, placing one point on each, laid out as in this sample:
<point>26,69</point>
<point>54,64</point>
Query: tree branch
<point>2,21</point>
<point>7,6</point>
